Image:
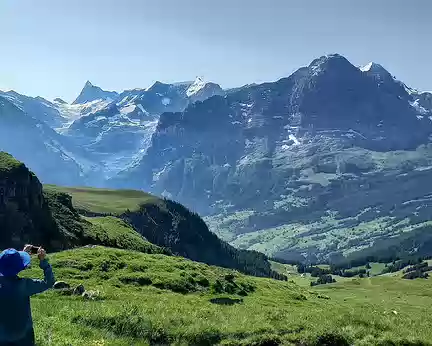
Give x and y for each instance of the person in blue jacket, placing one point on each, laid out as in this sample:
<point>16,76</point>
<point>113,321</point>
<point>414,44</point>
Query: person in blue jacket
<point>16,324</point>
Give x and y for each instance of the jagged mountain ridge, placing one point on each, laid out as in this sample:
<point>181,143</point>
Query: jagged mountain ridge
<point>292,152</point>
<point>29,139</point>
<point>37,107</point>
<point>91,93</point>
<point>280,155</point>
<point>330,96</point>
<point>117,134</point>
<point>101,132</point>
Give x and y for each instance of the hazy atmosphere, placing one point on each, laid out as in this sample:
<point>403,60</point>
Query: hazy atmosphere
<point>51,48</point>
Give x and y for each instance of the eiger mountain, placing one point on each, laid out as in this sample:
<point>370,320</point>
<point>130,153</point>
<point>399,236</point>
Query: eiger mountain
<point>333,160</point>
<point>328,161</point>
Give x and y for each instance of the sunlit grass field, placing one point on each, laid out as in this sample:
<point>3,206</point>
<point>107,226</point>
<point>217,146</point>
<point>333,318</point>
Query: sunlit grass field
<point>144,299</point>
<point>105,200</point>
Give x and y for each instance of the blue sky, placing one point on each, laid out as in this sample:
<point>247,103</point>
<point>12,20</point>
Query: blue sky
<point>51,47</point>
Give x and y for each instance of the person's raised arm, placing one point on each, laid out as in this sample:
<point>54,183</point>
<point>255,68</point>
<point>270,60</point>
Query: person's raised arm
<point>33,286</point>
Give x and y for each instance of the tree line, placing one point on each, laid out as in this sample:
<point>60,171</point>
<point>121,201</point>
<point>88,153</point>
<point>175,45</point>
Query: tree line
<point>316,271</point>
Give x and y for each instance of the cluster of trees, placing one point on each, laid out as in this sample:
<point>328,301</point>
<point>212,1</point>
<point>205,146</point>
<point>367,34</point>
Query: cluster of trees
<point>417,268</point>
<point>319,272</point>
<point>399,265</point>
<point>394,249</point>
<point>417,271</point>
<point>415,274</point>
<point>323,279</point>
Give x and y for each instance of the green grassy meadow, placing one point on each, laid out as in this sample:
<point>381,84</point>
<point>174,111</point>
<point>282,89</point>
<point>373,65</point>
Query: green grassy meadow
<point>153,299</point>
<point>104,200</point>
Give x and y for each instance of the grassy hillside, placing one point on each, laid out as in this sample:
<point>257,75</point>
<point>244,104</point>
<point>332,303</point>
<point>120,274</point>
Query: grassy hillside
<point>164,223</point>
<point>78,230</point>
<point>114,232</point>
<point>142,299</point>
<point>104,200</point>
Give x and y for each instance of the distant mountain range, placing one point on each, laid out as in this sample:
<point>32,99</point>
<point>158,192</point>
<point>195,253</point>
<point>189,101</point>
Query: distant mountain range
<point>98,135</point>
<point>327,161</point>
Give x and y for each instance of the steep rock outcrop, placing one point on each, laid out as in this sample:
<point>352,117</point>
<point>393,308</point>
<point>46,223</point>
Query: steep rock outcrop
<point>24,213</point>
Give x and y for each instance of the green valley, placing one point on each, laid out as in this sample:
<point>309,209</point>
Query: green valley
<point>341,203</point>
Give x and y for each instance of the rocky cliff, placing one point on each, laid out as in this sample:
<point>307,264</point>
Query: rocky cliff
<point>24,212</point>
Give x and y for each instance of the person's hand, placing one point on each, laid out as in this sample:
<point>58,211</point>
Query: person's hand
<point>41,253</point>
<point>28,248</point>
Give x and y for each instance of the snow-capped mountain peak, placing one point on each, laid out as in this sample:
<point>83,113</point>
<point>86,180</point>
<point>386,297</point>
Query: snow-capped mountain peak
<point>366,67</point>
<point>333,63</point>
<point>155,86</point>
<point>91,92</point>
<point>374,68</point>
<point>196,86</point>
<point>378,71</point>
<point>386,80</point>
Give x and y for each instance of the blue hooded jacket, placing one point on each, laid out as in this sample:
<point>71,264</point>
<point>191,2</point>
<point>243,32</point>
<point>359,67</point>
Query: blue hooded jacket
<point>15,292</point>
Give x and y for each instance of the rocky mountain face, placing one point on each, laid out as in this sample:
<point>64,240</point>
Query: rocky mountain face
<point>36,107</point>
<point>33,141</point>
<point>330,105</point>
<point>291,167</point>
<point>117,134</point>
<point>100,134</point>
<point>24,213</point>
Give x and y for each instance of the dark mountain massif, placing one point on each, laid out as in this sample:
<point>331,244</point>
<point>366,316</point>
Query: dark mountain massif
<point>307,166</point>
